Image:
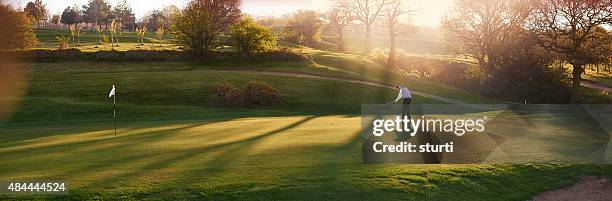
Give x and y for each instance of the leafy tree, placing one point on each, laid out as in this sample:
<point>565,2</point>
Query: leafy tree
<point>304,27</point>
<point>36,9</point>
<point>153,19</point>
<point>249,37</point>
<point>123,12</point>
<point>71,15</point>
<point>566,27</point>
<point>17,30</point>
<point>96,11</point>
<point>160,17</point>
<point>202,21</point>
<point>55,19</point>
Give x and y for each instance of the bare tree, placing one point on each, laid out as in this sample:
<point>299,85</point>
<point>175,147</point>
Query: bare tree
<point>484,29</point>
<point>393,13</point>
<point>338,19</point>
<point>567,26</point>
<point>365,11</point>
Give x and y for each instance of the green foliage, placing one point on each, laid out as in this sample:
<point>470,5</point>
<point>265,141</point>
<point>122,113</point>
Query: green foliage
<point>72,15</point>
<point>304,28</point>
<point>96,11</point>
<point>17,30</point>
<point>249,37</point>
<point>200,24</point>
<point>36,9</point>
<point>63,42</point>
<point>261,93</point>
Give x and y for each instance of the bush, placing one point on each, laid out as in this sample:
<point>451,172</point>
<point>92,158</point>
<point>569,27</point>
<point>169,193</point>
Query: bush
<point>219,95</point>
<point>249,37</point>
<point>234,97</point>
<point>17,30</point>
<point>261,93</point>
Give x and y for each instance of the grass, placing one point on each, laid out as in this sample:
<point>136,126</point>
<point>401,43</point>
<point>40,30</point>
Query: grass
<point>171,145</point>
<point>279,158</point>
<point>127,41</point>
<point>602,77</point>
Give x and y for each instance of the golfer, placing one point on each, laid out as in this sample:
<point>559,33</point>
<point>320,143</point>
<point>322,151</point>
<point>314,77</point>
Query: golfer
<point>405,96</point>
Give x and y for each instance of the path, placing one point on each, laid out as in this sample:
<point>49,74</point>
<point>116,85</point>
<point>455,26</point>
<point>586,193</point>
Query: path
<point>595,85</point>
<point>389,86</point>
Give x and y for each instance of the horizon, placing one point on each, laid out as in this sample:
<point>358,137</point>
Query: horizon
<point>427,13</point>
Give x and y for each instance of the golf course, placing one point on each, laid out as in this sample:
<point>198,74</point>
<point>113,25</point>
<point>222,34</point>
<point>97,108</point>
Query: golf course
<point>281,108</point>
<point>171,145</point>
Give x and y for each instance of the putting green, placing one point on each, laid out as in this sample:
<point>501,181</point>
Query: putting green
<point>297,157</point>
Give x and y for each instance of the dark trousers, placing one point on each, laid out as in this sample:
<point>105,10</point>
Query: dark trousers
<point>406,107</point>
<point>406,114</point>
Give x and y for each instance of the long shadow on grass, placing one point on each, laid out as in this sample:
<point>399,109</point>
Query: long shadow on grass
<point>178,156</point>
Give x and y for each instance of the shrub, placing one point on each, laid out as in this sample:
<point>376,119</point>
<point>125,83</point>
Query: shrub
<point>63,42</point>
<point>249,37</point>
<point>219,95</point>
<point>261,93</point>
<point>109,56</point>
<point>234,98</point>
<point>17,30</point>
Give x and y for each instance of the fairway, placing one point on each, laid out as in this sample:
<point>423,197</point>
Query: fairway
<point>356,100</point>
<point>250,159</point>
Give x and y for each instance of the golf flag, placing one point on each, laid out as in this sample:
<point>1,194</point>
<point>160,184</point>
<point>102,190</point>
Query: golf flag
<point>112,95</point>
<point>112,92</point>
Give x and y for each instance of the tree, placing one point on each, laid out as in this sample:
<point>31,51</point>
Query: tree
<point>249,37</point>
<point>160,18</point>
<point>98,35</point>
<point>392,13</point>
<point>484,29</point>
<point>365,11</point>
<point>338,19</point>
<point>113,32</point>
<point>202,21</point>
<point>123,12</point>
<point>37,10</point>
<point>159,34</point>
<point>566,27</point>
<point>140,32</point>
<point>17,30</point>
<point>304,27</point>
<point>75,32</point>
<point>96,11</point>
<point>71,15</point>
<point>55,19</point>
<point>153,20</point>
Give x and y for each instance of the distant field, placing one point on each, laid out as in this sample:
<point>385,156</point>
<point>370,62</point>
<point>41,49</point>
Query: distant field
<point>602,76</point>
<point>127,40</point>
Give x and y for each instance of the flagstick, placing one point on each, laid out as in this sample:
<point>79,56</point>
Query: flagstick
<point>115,113</point>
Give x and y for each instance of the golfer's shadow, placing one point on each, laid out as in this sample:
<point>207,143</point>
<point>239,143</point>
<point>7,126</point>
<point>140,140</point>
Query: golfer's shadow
<point>420,138</point>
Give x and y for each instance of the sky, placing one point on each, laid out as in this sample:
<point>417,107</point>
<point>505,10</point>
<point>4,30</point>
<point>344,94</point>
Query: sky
<point>428,12</point>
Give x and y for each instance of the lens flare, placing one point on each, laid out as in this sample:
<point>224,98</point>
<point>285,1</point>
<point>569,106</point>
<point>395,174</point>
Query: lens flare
<point>12,85</point>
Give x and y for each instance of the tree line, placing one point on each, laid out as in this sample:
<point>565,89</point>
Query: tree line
<point>505,35</point>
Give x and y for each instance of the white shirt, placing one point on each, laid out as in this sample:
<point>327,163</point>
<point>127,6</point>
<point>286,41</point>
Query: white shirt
<point>403,93</point>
